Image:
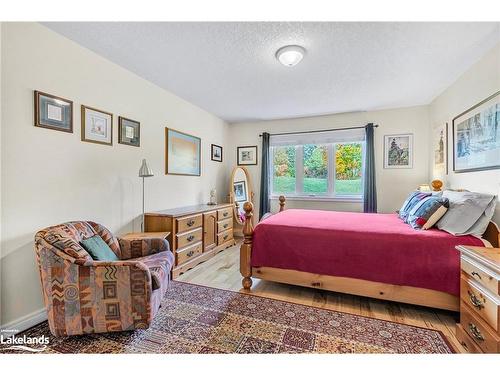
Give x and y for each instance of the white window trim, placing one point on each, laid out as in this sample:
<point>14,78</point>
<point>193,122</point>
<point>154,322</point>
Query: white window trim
<point>330,195</point>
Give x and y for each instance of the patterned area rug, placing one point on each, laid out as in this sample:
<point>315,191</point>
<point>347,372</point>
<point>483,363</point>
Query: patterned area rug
<point>198,319</point>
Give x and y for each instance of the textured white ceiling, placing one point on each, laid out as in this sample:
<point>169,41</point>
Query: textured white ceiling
<point>229,69</point>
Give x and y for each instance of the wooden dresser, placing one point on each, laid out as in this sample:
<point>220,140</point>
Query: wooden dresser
<point>198,232</point>
<point>479,327</point>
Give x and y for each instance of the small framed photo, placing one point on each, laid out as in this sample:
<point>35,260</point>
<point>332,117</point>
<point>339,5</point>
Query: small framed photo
<point>97,126</point>
<point>129,132</point>
<point>247,155</point>
<point>216,153</point>
<point>240,191</point>
<point>398,151</point>
<point>53,112</point>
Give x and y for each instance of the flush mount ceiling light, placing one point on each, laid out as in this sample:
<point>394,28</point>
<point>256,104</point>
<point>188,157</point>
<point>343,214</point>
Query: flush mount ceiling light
<point>290,55</point>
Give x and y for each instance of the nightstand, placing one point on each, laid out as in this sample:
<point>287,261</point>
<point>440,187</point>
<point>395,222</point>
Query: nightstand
<point>145,235</point>
<point>479,327</point>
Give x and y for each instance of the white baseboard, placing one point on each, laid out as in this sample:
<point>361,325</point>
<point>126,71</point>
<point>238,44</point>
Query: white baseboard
<point>24,322</point>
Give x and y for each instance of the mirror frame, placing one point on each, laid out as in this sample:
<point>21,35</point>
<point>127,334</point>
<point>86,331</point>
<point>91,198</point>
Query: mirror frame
<point>250,192</point>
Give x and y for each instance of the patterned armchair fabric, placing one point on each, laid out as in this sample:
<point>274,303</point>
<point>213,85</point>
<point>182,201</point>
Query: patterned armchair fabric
<point>86,296</point>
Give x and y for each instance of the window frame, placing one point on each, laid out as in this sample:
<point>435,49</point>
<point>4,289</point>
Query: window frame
<point>331,194</point>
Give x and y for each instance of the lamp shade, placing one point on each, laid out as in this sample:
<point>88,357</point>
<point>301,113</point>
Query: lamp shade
<point>145,171</point>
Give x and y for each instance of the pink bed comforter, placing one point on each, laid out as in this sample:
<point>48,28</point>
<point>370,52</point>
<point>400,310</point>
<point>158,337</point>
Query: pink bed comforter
<point>375,247</point>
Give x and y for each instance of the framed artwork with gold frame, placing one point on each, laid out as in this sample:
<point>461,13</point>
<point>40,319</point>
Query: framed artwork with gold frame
<point>53,112</point>
<point>182,153</point>
<point>97,126</point>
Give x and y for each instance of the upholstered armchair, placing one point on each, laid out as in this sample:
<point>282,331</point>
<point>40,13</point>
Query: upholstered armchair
<point>86,296</point>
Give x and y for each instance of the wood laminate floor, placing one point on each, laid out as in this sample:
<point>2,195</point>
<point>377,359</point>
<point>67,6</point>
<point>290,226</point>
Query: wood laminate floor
<point>222,271</point>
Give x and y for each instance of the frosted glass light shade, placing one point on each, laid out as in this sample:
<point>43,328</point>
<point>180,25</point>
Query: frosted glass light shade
<point>290,55</point>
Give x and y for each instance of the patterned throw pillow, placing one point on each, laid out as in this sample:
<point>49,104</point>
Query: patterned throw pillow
<point>410,202</point>
<point>427,212</point>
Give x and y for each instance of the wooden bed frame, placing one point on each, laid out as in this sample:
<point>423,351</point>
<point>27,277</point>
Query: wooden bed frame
<point>390,292</point>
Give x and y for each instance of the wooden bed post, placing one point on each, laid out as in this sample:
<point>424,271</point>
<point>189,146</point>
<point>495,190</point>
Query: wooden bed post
<point>246,247</point>
<point>282,200</point>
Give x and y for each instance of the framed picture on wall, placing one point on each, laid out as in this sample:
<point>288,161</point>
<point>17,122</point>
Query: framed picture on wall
<point>53,112</point>
<point>247,155</point>
<point>216,153</point>
<point>476,137</point>
<point>398,151</point>
<point>97,126</point>
<point>129,132</point>
<point>440,145</point>
<point>182,153</point>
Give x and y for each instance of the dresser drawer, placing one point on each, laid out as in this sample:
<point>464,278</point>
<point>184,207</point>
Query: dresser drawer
<point>224,225</point>
<point>466,341</point>
<point>189,253</point>
<point>190,222</point>
<point>478,330</point>
<point>481,275</point>
<point>224,237</point>
<point>224,213</point>
<point>482,302</point>
<point>189,238</point>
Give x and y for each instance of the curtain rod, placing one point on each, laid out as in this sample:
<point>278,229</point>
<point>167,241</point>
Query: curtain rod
<point>320,131</point>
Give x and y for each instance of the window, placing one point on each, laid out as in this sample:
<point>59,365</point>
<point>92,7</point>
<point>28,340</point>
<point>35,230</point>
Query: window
<point>318,166</point>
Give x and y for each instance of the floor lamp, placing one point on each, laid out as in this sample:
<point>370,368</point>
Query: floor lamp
<point>145,171</point>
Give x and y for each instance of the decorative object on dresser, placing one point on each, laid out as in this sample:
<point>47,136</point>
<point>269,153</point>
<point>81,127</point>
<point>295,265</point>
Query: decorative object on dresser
<point>479,327</point>
<point>198,232</point>
<point>240,177</point>
<point>476,137</point>
<point>216,153</point>
<point>129,132</point>
<point>182,153</point>
<point>144,171</point>
<point>213,197</point>
<point>247,155</point>
<point>53,112</point>
<point>398,151</point>
<point>97,126</point>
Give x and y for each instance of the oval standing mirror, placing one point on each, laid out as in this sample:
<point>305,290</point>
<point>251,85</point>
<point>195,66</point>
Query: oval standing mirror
<point>240,191</point>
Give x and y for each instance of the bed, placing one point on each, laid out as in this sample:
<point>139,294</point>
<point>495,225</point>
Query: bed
<point>372,255</point>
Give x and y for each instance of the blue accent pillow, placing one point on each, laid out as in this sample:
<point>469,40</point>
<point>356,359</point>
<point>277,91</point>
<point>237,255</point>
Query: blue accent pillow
<point>427,212</point>
<point>98,249</point>
<point>410,202</point>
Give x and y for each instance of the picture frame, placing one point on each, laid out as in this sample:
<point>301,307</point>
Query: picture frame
<point>129,132</point>
<point>97,126</point>
<point>440,145</point>
<point>398,151</point>
<point>240,191</point>
<point>53,112</point>
<point>182,153</point>
<point>246,155</point>
<point>216,153</point>
<point>476,136</point>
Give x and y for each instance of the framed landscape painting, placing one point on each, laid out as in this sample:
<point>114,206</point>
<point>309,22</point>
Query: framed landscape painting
<point>53,112</point>
<point>182,154</point>
<point>440,144</point>
<point>398,151</point>
<point>247,155</point>
<point>476,137</point>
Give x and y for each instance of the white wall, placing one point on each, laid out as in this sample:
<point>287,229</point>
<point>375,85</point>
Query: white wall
<point>49,177</point>
<point>393,185</point>
<point>475,85</point>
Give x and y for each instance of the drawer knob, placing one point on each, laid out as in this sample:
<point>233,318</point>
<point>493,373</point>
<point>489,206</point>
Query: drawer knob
<point>474,273</point>
<point>225,214</point>
<point>190,223</point>
<point>190,254</point>
<point>225,225</point>
<point>226,236</point>
<point>475,332</point>
<point>476,302</point>
<point>190,238</point>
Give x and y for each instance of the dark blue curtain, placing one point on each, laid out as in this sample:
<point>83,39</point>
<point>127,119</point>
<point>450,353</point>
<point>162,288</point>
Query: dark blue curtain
<point>370,189</point>
<point>265,203</point>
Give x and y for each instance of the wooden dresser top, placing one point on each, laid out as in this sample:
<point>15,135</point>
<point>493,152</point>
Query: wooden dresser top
<point>188,210</point>
<point>487,255</point>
